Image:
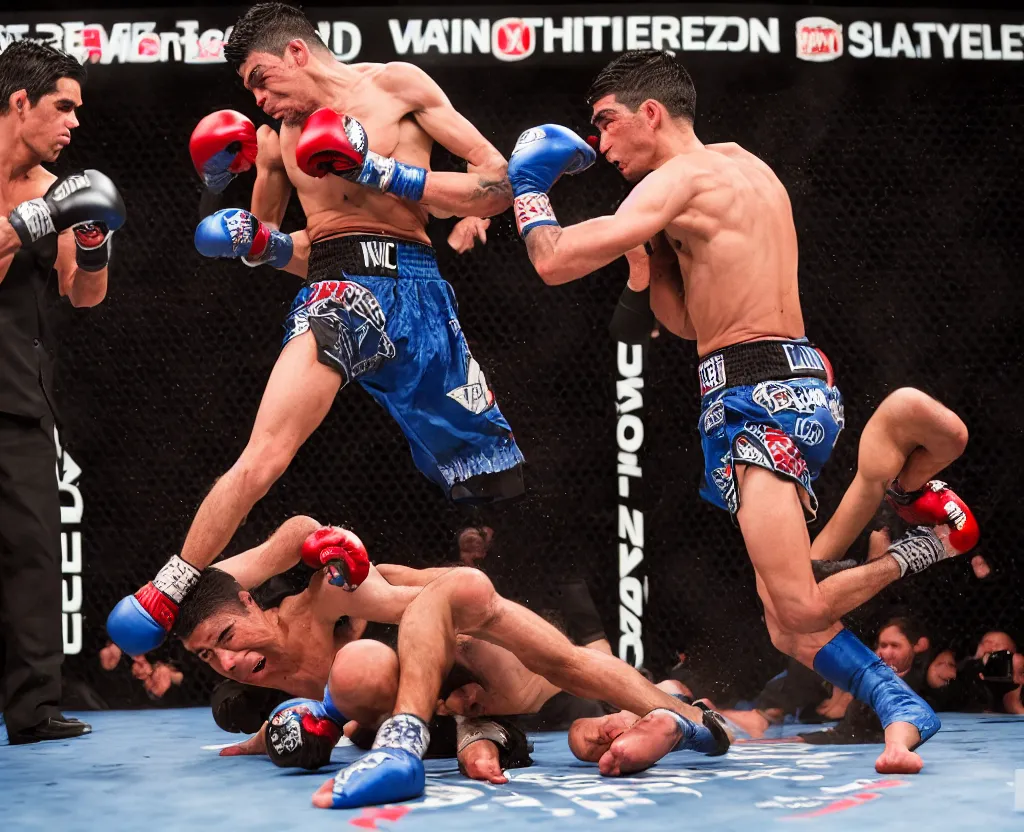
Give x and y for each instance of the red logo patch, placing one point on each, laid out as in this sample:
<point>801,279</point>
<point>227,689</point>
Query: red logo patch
<point>512,39</point>
<point>785,454</point>
<point>818,39</point>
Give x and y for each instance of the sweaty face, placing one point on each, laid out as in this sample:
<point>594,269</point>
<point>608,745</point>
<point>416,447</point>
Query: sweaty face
<point>895,649</point>
<point>281,86</point>
<point>627,140</point>
<point>46,127</point>
<point>236,643</point>
<point>942,670</point>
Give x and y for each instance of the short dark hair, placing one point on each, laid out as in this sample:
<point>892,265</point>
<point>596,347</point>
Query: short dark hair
<point>635,76</point>
<point>911,627</point>
<point>268,27</point>
<point>214,591</point>
<point>36,68</point>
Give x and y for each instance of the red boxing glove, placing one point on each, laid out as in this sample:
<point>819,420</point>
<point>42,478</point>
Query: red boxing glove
<point>936,505</point>
<point>331,143</point>
<point>222,146</point>
<point>341,553</point>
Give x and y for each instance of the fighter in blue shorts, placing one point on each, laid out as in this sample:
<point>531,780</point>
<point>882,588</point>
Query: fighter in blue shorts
<point>355,145</point>
<point>722,270</point>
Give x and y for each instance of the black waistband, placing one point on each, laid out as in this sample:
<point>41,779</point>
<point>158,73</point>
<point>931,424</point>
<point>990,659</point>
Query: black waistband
<point>757,361</point>
<point>374,255</point>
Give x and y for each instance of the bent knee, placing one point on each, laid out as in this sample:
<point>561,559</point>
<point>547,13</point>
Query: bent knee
<point>810,616</point>
<point>471,594</point>
<point>364,674</point>
<point>262,464</point>
<point>936,424</point>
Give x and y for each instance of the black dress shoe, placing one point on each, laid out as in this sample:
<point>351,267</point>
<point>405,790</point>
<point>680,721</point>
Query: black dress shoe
<point>54,728</point>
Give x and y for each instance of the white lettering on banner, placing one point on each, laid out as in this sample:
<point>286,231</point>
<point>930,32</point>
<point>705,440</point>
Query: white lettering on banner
<point>343,38</point>
<point>141,43</point>
<point>926,40</point>
<point>629,436</point>
<point>517,38</point>
<point>67,473</point>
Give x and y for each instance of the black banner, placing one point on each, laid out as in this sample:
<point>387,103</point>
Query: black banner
<point>549,35</point>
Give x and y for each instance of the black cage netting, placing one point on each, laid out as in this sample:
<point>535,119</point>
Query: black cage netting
<point>906,185</point>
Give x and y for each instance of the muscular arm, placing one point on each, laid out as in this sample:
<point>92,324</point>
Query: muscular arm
<point>483,190</point>
<point>561,255</point>
<point>81,287</point>
<point>407,576</point>
<point>299,264</point>
<point>270,194</point>
<point>374,600</point>
<point>279,553</point>
<point>272,188</point>
<point>9,242</point>
<point>668,298</point>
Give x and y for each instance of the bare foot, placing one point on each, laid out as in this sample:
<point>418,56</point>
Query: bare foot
<point>323,797</point>
<point>590,737</point>
<point>898,759</point>
<point>641,746</point>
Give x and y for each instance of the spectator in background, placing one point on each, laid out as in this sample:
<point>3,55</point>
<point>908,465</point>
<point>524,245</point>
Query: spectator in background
<point>473,544</point>
<point>994,641</point>
<point>990,680</point>
<point>156,677</point>
<point>1013,700</point>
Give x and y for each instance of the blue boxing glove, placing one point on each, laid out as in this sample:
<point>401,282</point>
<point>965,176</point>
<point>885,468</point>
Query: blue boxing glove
<point>141,622</point>
<point>541,155</point>
<point>391,772</point>
<point>235,232</point>
<point>302,732</point>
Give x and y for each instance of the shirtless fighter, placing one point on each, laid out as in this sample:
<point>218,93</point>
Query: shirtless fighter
<point>724,273</point>
<point>296,648</point>
<point>908,429</point>
<point>374,308</point>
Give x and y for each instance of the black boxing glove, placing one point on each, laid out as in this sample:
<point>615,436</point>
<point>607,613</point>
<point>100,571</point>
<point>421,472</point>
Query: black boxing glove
<point>513,746</point>
<point>242,708</point>
<point>302,733</point>
<point>85,198</point>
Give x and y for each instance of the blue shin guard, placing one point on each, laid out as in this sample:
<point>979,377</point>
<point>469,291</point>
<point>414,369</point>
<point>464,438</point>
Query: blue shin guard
<point>709,738</point>
<point>391,772</point>
<point>850,665</point>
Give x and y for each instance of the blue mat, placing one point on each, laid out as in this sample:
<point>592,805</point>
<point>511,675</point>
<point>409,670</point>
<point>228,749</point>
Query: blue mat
<point>155,769</point>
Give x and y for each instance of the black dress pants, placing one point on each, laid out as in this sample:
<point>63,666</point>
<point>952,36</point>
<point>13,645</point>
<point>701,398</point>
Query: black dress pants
<point>31,635</point>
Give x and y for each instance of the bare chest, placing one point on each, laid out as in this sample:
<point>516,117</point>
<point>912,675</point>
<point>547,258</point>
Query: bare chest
<point>20,190</point>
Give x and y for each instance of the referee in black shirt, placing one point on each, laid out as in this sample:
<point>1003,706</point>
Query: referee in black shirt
<point>47,225</point>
